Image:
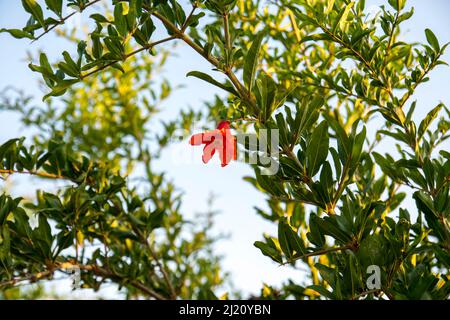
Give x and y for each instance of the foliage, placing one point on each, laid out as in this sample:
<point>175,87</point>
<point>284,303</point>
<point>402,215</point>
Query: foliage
<point>111,215</point>
<point>319,71</point>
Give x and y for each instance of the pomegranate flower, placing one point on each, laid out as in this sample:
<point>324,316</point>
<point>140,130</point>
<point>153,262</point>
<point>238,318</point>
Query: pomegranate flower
<point>219,139</point>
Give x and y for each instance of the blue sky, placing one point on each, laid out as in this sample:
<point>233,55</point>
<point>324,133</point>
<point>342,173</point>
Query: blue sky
<point>235,198</point>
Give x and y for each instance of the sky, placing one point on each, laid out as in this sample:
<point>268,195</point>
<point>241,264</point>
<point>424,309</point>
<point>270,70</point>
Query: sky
<point>234,198</point>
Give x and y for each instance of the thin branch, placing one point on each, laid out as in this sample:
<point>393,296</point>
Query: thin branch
<point>317,253</point>
<point>63,20</point>
<point>244,94</point>
<point>362,294</point>
<point>32,278</point>
<point>126,56</point>
<point>416,84</point>
<point>358,55</point>
<point>102,272</point>
<point>189,17</point>
<point>163,271</point>
<point>99,271</point>
<point>342,183</point>
<point>345,93</point>
<point>226,28</point>
<point>35,173</point>
<point>390,41</point>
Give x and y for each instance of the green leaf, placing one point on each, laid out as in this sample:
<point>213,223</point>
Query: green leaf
<point>284,140</point>
<point>344,143</point>
<point>428,120</point>
<point>60,88</point>
<point>5,147</point>
<point>317,150</point>
<point>55,6</point>
<point>64,240</point>
<point>329,7</point>
<point>316,37</point>
<point>205,77</point>
<point>44,231</point>
<point>99,18</point>
<point>321,290</point>
<point>425,204</point>
<point>342,17</point>
<point>120,20</point>
<point>327,274</point>
<point>290,241</point>
<point>307,115</point>
<point>357,146</point>
<point>21,222</point>
<point>329,226</point>
<point>251,62</point>
<point>432,40</point>
<point>156,219</point>
<point>371,250</point>
<point>269,251</point>
<point>32,7</point>
<point>283,240</point>
<point>315,236</point>
<point>69,67</point>
<point>17,33</point>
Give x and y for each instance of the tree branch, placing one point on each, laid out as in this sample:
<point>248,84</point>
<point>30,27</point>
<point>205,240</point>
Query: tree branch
<point>189,17</point>
<point>317,253</point>
<point>63,20</point>
<point>35,173</point>
<point>31,277</point>
<point>126,56</point>
<point>244,94</point>
<point>102,272</point>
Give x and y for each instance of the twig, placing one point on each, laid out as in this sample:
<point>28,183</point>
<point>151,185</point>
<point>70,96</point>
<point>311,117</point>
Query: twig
<point>163,271</point>
<point>374,291</point>
<point>63,20</point>
<point>31,277</point>
<point>226,28</point>
<point>102,272</point>
<point>244,94</point>
<point>317,253</point>
<point>126,56</point>
<point>358,55</point>
<point>188,19</point>
<point>35,173</point>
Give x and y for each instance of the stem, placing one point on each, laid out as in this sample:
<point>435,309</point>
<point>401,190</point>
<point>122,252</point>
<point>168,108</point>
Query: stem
<point>188,19</point>
<point>63,20</point>
<point>306,178</point>
<point>374,291</point>
<point>294,25</point>
<point>146,159</point>
<point>341,185</point>
<point>244,94</point>
<point>126,56</point>
<point>163,271</point>
<point>358,55</point>
<point>317,253</point>
<point>416,84</point>
<point>102,272</point>
<point>391,38</point>
<point>226,28</point>
<point>35,173</point>
<point>31,277</point>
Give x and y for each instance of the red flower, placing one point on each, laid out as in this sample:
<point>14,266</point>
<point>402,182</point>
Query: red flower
<point>219,139</point>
